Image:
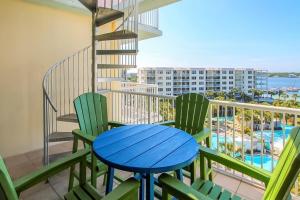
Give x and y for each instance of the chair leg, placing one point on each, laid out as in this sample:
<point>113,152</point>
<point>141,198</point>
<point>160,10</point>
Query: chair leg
<point>208,145</point>
<point>193,171</point>
<point>104,179</point>
<point>165,195</point>
<point>72,169</point>
<point>94,171</point>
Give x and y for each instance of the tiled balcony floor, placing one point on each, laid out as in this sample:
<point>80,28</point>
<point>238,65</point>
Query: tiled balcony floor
<point>23,164</point>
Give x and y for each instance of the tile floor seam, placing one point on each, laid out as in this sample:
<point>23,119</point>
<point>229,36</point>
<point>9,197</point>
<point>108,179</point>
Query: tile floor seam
<point>238,187</point>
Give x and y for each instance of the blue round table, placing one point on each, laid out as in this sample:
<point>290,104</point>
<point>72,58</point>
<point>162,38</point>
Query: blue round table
<point>145,150</point>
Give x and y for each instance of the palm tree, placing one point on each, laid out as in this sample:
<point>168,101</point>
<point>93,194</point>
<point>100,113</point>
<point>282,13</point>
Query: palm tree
<point>281,93</point>
<point>271,93</point>
<point>253,92</point>
<point>285,96</point>
<point>295,97</point>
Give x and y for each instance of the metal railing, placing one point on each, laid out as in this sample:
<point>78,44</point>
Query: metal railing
<point>75,75</point>
<point>138,87</point>
<point>62,83</point>
<point>150,18</point>
<point>105,76</point>
<point>255,134</point>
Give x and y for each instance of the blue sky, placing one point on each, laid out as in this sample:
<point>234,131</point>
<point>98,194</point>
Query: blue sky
<point>226,33</point>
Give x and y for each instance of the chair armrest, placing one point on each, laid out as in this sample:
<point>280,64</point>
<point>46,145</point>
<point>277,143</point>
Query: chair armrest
<point>89,139</point>
<point>238,165</point>
<point>126,190</point>
<point>202,135</point>
<point>166,123</point>
<point>115,124</point>
<point>178,189</point>
<point>44,173</point>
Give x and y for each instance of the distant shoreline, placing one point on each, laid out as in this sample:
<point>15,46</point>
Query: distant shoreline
<point>284,74</point>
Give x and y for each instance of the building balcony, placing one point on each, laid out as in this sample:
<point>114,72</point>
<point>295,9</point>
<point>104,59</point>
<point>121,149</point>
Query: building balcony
<point>244,131</point>
<point>149,24</point>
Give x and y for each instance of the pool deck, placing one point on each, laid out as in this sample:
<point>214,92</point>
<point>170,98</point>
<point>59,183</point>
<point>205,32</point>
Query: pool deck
<point>23,164</point>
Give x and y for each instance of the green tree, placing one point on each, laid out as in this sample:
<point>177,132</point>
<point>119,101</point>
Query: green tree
<point>271,93</point>
<point>295,97</point>
<point>166,110</point>
<point>281,93</point>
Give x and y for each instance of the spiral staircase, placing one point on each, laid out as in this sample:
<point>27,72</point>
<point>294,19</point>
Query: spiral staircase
<point>95,68</point>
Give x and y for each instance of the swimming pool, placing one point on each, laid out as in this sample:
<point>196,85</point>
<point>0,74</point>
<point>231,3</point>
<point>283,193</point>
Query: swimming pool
<point>266,160</point>
<point>278,134</point>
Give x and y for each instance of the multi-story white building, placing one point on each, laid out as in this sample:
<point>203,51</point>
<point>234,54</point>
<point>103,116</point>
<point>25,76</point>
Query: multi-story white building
<point>176,81</point>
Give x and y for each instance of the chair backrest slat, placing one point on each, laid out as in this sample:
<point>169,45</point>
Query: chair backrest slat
<point>91,110</point>
<point>191,110</point>
<point>7,190</point>
<point>287,169</point>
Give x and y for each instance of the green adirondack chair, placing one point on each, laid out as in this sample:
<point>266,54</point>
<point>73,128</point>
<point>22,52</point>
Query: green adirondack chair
<point>191,110</point>
<point>91,111</point>
<point>10,190</point>
<point>278,184</point>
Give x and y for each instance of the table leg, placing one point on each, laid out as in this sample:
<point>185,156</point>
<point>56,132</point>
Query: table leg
<point>142,188</point>
<point>149,186</point>
<point>179,174</point>
<point>110,180</point>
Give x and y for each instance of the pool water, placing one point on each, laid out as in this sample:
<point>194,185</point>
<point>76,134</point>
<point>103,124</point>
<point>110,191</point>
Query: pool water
<point>266,160</point>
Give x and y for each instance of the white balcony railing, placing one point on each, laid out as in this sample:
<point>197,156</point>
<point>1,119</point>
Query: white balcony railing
<point>149,18</point>
<point>253,133</point>
<point>138,87</point>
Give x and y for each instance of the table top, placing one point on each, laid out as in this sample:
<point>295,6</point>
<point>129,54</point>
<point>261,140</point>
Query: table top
<point>146,148</point>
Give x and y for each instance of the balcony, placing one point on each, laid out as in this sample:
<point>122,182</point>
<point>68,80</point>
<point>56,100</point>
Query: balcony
<point>253,133</point>
<point>149,24</point>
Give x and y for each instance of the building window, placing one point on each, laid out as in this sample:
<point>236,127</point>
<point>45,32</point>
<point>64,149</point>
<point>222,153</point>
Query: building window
<point>230,88</point>
<point>224,82</point>
<point>230,72</point>
<point>168,89</point>
<point>201,72</point>
<point>194,72</point>
<point>250,82</point>
<point>201,77</point>
<point>194,77</point>
<point>160,89</point>
<point>224,77</point>
<point>231,82</point>
<point>168,72</point>
<point>160,72</point>
<point>194,83</point>
<point>160,83</point>
<point>249,72</point>
<point>168,78</point>
<point>160,78</point>
<point>168,83</point>
<point>249,77</point>
<point>224,72</point>
<point>201,88</point>
<point>223,88</point>
<point>194,89</point>
<point>230,77</point>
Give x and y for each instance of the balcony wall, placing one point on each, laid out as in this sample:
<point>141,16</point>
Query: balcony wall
<point>32,38</point>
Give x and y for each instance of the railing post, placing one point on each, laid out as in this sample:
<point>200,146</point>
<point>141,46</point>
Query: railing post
<point>149,110</point>
<point>94,71</point>
<point>210,116</point>
<point>45,127</point>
